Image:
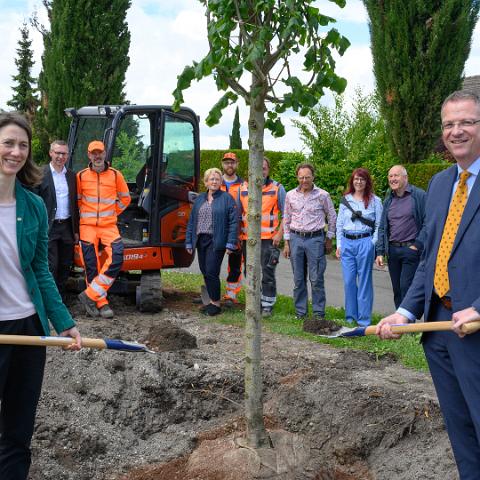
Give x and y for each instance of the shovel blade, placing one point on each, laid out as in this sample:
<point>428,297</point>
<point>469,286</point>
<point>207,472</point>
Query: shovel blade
<point>347,332</point>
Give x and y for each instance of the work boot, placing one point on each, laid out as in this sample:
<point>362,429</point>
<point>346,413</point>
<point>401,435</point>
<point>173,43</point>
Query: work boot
<point>106,311</point>
<point>229,302</point>
<point>89,304</point>
<point>266,312</point>
<point>211,310</point>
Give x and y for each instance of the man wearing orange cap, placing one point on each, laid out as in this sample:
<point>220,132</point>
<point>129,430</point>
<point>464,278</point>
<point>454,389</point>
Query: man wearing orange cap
<point>231,184</point>
<point>102,196</point>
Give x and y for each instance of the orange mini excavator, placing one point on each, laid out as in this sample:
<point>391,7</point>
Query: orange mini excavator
<point>158,152</point>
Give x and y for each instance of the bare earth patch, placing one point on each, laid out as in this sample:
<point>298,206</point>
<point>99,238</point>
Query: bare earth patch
<point>178,414</point>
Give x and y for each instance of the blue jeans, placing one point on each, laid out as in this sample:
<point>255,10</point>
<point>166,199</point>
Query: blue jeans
<point>357,261</point>
<point>307,256</point>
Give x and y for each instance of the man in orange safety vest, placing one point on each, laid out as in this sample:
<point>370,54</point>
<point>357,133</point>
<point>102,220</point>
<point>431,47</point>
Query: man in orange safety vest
<point>231,184</point>
<point>102,196</point>
<point>273,202</point>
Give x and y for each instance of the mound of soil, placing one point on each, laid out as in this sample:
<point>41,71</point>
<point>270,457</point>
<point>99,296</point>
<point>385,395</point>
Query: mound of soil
<point>167,337</point>
<point>110,415</point>
<point>320,327</point>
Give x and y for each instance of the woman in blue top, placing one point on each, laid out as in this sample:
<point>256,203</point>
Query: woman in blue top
<point>28,295</point>
<point>357,233</point>
<point>212,229</point>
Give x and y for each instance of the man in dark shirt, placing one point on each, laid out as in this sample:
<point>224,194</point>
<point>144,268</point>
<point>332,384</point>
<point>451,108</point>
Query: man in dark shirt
<point>400,234</point>
<point>59,192</point>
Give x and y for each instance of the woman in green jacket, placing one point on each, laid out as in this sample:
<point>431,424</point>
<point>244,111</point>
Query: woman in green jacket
<point>28,295</point>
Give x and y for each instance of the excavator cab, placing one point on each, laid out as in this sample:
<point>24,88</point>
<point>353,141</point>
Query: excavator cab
<point>158,152</point>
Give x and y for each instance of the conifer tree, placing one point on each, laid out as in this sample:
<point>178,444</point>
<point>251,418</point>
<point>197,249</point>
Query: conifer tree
<point>419,51</point>
<point>85,57</point>
<point>24,99</point>
<point>235,138</point>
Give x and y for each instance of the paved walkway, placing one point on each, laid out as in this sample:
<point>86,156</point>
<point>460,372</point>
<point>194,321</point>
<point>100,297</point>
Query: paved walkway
<point>383,299</point>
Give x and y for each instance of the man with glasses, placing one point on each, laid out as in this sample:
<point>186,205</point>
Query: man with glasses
<point>102,196</point>
<point>59,192</point>
<point>308,210</point>
<point>400,234</point>
<point>446,284</point>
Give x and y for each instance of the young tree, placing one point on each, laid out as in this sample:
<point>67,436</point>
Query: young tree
<point>24,99</point>
<point>85,57</point>
<point>419,51</point>
<point>235,138</point>
<point>251,48</point>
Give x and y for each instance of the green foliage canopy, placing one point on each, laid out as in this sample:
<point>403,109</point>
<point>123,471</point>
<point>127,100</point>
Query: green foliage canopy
<point>419,51</point>
<point>85,58</point>
<point>24,99</point>
<point>235,138</point>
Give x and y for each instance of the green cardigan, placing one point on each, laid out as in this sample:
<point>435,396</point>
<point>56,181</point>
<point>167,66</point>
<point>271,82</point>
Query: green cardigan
<point>32,241</point>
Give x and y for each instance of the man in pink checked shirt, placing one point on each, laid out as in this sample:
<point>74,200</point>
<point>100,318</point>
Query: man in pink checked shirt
<point>308,209</point>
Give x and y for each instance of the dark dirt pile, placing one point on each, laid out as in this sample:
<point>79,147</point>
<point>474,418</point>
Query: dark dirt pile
<point>108,415</point>
<point>320,327</point>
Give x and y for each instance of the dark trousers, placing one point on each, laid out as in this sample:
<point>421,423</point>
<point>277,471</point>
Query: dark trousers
<point>402,265</point>
<point>455,368</point>
<point>21,376</point>
<point>60,253</point>
<point>210,262</point>
<point>269,282</point>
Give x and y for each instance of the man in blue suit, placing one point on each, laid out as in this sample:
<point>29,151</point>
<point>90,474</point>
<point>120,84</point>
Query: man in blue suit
<point>453,358</point>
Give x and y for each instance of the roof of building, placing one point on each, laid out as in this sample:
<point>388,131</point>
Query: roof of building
<point>472,83</point>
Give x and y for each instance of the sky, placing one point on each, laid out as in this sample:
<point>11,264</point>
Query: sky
<point>167,35</point>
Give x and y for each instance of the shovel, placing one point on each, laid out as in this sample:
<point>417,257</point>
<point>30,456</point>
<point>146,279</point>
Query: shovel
<point>404,328</point>
<point>97,343</point>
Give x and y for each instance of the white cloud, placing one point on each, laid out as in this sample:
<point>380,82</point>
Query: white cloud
<point>472,66</point>
<point>354,11</point>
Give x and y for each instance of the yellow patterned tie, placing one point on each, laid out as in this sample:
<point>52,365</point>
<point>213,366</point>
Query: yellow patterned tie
<point>440,281</point>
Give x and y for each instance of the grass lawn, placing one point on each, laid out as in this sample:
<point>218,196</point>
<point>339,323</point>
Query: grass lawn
<point>408,349</point>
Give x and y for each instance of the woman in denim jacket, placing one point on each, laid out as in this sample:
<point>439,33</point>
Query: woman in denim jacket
<point>213,230</point>
<point>357,233</point>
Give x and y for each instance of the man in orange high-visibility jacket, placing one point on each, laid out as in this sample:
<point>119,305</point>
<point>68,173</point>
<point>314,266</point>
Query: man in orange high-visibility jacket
<point>102,196</point>
<point>273,202</point>
<point>231,184</point>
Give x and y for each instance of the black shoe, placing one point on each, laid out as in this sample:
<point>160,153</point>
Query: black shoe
<point>318,318</point>
<point>211,310</point>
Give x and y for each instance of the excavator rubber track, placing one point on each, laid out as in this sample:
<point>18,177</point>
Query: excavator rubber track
<point>149,296</point>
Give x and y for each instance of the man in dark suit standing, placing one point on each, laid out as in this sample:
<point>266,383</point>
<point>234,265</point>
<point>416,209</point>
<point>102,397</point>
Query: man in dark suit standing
<point>446,284</point>
<point>59,192</point>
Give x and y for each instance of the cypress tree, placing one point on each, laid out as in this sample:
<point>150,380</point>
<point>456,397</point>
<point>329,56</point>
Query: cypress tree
<point>85,58</point>
<point>419,51</point>
<point>24,99</point>
<point>235,138</point>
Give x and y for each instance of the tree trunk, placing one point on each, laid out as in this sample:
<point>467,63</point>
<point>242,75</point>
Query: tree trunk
<point>256,433</point>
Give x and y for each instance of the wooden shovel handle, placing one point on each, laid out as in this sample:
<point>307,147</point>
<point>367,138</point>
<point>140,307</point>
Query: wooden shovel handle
<point>469,327</point>
<point>50,341</point>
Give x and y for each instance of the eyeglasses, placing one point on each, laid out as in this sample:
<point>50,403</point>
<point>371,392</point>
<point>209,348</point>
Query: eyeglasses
<point>60,154</point>
<point>359,180</point>
<point>461,124</point>
<point>304,178</point>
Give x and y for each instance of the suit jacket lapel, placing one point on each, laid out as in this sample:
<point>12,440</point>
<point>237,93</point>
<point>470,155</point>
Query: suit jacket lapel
<point>471,208</point>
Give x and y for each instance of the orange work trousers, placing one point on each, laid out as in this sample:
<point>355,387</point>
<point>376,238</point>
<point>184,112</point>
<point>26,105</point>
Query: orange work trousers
<point>100,275</point>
